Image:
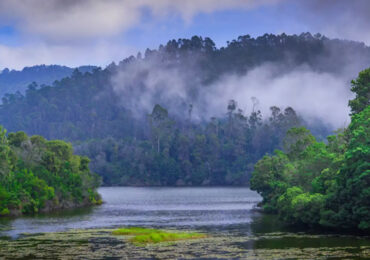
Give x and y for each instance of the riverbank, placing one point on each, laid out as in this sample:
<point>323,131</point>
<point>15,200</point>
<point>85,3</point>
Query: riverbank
<point>101,243</point>
<point>52,207</point>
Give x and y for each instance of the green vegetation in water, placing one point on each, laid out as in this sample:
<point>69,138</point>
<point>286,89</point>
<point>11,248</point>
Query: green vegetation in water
<point>322,184</point>
<point>135,231</point>
<point>153,236</point>
<point>102,244</point>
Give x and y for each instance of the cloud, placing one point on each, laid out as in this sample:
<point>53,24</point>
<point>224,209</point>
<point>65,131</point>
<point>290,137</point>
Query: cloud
<point>312,94</point>
<point>337,18</point>
<point>68,20</point>
<point>189,8</point>
<point>144,83</point>
<point>51,30</point>
<point>102,52</point>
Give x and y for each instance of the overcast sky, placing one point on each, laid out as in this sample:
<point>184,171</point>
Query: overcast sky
<point>78,32</point>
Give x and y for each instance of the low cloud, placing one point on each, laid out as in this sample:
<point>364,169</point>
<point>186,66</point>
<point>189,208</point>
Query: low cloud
<point>143,84</point>
<point>314,95</point>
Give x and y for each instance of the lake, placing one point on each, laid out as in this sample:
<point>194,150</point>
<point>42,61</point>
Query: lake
<point>224,211</point>
<point>178,207</point>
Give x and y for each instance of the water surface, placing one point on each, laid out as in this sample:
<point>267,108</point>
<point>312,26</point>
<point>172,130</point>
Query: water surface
<point>227,214</point>
<point>215,207</point>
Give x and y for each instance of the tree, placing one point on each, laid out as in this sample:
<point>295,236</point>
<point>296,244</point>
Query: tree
<point>325,185</point>
<point>35,172</point>
<point>297,140</point>
<point>350,205</point>
<point>16,139</point>
<point>160,124</point>
<point>361,87</point>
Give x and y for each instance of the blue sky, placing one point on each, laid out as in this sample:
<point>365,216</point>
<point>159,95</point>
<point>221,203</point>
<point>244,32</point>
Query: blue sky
<point>221,26</point>
<point>95,32</point>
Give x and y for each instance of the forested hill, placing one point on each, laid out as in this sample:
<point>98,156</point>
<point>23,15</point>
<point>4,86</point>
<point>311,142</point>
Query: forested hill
<point>101,103</point>
<point>12,81</point>
<point>161,118</point>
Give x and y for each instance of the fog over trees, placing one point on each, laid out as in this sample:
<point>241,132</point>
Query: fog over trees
<point>189,113</point>
<point>322,184</point>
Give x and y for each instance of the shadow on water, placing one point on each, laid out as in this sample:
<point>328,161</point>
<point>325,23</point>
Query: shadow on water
<point>5,225</point>
<point>11,227</point>
<point>311,242</point>
<point>271,233</point>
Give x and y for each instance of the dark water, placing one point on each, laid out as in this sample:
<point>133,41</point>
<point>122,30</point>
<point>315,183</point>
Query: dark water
<point>217,209</point>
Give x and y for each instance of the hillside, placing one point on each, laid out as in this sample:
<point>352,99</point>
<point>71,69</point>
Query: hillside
<point>12,81</point>
<point>168,118</point>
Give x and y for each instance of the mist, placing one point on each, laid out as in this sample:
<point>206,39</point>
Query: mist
<point>313,95</point>
<point>317,92</point>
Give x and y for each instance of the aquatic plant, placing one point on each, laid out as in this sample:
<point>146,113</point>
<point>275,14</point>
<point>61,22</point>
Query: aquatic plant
<point>147,235</point>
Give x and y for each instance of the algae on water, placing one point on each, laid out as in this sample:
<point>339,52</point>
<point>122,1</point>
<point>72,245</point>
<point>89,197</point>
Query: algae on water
<point>102,243</point>
<point>143,236</point>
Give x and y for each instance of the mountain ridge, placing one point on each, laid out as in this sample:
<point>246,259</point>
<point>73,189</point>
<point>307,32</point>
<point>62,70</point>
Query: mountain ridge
<point>12,81</point>
<point>170,116</point>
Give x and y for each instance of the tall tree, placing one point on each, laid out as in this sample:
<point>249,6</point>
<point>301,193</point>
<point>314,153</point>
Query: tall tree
<point>361,87</point>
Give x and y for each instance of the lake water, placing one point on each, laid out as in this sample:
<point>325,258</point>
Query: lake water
<point>218,210</point>
<point>218,207</point>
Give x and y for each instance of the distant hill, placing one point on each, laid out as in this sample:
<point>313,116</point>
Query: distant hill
<point>12,81</point>
<point>152,119</point>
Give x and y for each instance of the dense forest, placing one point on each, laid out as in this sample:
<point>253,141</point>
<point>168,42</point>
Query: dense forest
<point>322,184</point>
<point>12,81</point>
<point>219,152</point>
<point>37,175</point>
<point>140,128</point>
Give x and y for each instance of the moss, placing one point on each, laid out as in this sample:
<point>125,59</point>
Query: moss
<point>164,237</point>
<point>153,236</point>
<point>135,231</point>
<point>4,212</point>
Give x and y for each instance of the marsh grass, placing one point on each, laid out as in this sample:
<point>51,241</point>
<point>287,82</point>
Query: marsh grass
<point>143,236</point>
<point>135,231</point>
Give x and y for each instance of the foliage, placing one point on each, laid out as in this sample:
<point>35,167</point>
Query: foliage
<point>361,87</point>
<point>144,236</point>
<point>39,175</point>
<point>349,203</point>
<point>107,122</point>
<point>134,231</point>
<point>218,152</point>
<point>320,184</point>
